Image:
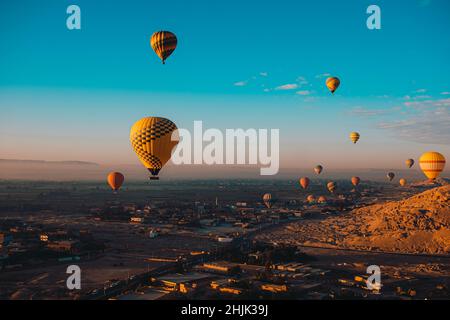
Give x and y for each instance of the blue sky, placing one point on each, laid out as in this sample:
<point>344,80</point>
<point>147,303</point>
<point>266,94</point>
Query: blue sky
<point>254,64</point>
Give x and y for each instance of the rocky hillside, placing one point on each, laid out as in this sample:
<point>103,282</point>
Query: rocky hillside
<point>418,224</point>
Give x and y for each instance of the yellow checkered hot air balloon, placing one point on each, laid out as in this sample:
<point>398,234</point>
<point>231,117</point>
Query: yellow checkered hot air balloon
<point>332,83</point>
<point>354,136</point>
<point>151,139</point>
<point>432,163</point>
<point>163,43</point>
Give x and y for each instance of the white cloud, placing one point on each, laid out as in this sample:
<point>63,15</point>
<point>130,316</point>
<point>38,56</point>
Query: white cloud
<point>428,122</point>
<point>445,93</point>
<point>240,83</point>
<point>289,86</point>
<point>364,112</point>
<point>323,75</point>
<point>421,90</point>
<point>263,74</point>
<point>304,92</point>
<point>420,97</point>
<point>302,81</point>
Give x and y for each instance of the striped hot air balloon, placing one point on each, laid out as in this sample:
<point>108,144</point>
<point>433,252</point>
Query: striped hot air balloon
<point>163,43</point>
<point>332,83</point>
<point>322,199</point>
<point>151,139</point>
<point>354,136</point>
<point>267,199</point>
<point>402,182</point>
<point>331,186</point>
<point>432,163</point>
<point>115,180</point>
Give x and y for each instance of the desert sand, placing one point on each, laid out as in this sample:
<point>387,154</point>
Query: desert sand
<point>419,224</point>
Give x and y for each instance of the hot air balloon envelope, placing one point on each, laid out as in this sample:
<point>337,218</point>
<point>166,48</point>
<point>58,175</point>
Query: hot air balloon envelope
<point>115,180</point>
<point>432,163</point>
<point>151,139</point>
<point>331,186</point>
<point>355,181</point>
<point>267,199</point>
<point>304,182</point>
<point>163,43</point>
<point>354,136</point>
<point>318,169</point>
<point>390,176</point>
<point>332,83</point>
<point>409,163</point>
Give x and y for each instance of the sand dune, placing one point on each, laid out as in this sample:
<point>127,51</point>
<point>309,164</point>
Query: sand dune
<point>418,224</point>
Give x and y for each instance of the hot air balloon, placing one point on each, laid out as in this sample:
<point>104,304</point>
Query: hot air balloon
<point>331,186</point>
<point>318,169</point>
<point>354,136</point>
<point>322,199</point>
<point>432,164</point>
<point>332,83</point>
<point>115,180</point>
<point>402,182</point>
<point>267,199</point>
<point>355,181</point>
<point>304,182</point>
<point>310,198</point>
<point>390,175</point>
<point>163,43</point>
<point>151,139</point>
<point>409,163</point>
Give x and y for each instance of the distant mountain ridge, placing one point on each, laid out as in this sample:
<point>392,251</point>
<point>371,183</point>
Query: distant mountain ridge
<point>70,162</point>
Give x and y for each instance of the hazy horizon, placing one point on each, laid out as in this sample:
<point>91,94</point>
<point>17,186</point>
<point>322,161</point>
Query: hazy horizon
<point>56,171</point>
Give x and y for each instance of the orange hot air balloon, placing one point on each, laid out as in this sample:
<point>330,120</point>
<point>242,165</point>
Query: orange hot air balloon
<point>355,181</point>
<point>304,182</point>
<point>432,163</point>
<point>318,169</point>
<point>310,198</point>
<point>332,83</point>
<point>354,136</point>
<point>390,176</point>
<point>409,163</point>
<point>402,182</point>
<point>331,186</point>
<point>115,180</point>
<point>163,43</point>
<point>322,199</point>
